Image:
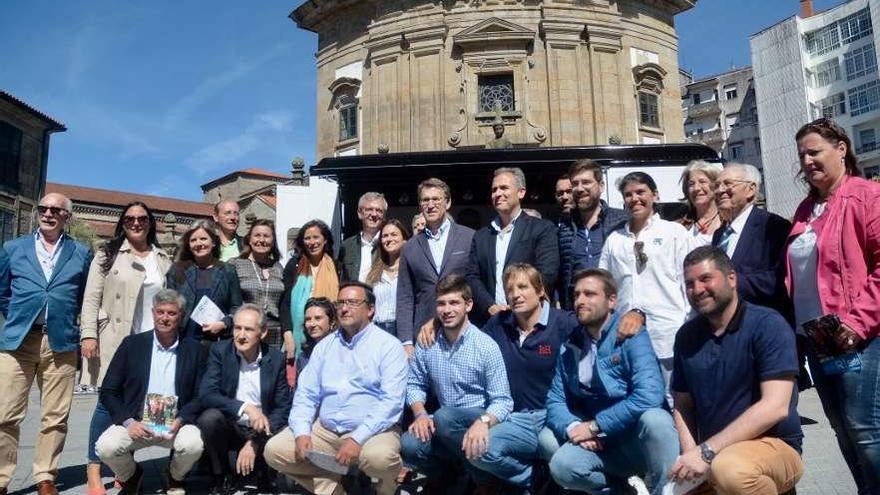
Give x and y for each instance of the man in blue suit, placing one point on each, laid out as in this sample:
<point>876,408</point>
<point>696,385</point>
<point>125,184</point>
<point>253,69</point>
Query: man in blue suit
<point>441,250</point>
<point>512,237</point>
<point>606,400</point>
<point>246,400</point>
<point>38,272</point>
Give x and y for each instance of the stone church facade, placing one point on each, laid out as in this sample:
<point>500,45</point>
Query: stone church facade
<point>426,75</point>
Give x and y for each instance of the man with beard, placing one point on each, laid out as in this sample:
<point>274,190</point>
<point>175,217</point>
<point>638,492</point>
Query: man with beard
<point>606,399</point>
<point>733,384</point>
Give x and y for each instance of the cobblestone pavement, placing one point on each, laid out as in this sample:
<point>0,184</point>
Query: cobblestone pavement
<point>826,473</point>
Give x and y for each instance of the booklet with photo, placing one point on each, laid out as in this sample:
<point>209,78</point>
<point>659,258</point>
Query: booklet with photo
<point>327,462</point>
<point>159,413</point>
<point>206,312</point>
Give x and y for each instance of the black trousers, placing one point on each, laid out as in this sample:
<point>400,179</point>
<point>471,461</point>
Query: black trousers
<point>223,435</point>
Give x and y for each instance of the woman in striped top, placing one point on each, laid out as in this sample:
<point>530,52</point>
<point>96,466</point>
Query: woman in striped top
<point>383,275</point>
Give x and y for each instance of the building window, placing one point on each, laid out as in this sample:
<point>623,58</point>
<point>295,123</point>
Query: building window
<point>348,122</point>
<point>864,98</point>
<point>649,113</point>
<point>855,26</point>
<point>496,92</point>
<point>10,154</point>
<point>736,151</point>
<point>867,141</point>
<point>833,106</point>
<point>696,98</point>
<point>860,62</point>
<point>826,73</point>
<point>7,225</point>
<point>823,40</point>
<point>730,92</point>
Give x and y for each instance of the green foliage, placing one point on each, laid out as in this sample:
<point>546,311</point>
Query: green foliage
<point>80,230</point>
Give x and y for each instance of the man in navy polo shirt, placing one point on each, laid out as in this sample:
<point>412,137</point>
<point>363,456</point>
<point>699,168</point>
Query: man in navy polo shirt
<point>733,384</point>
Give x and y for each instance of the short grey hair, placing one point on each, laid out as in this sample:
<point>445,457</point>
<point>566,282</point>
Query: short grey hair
<point>518,176</point>
<point>256,309</point>
<point>373,196</point>
<point>750,172</point>
<point>711,171</point>
<point>169,296</point>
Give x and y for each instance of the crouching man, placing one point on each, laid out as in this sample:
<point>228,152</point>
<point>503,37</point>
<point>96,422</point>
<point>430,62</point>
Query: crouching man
<point>733,383</point>
<point>150,391</point>
<point>246,399</point>
<point>606,400</point>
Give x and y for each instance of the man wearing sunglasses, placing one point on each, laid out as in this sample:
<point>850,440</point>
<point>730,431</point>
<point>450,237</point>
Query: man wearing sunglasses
<point>354,385</point>
<point>38,272</point>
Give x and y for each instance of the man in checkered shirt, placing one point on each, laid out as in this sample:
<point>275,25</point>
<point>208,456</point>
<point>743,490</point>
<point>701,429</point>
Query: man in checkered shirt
<point>465,371</point>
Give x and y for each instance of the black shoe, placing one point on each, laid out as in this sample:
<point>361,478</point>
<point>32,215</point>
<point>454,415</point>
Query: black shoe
<point>132,486</point>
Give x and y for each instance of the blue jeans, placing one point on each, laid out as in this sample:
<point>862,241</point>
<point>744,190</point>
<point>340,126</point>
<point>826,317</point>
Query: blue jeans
<point>515,445</point>
<point>99,424</point>
<point>434,457</point>
<point>647,449</point>
<point>851,402</point>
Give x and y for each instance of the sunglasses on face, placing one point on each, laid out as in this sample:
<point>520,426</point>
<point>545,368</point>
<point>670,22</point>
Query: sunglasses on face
<point>130,220</point>
<point>641,256</point>
<point>54,210</point>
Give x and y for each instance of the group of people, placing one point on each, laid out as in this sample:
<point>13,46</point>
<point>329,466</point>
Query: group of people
<point>607,345</point>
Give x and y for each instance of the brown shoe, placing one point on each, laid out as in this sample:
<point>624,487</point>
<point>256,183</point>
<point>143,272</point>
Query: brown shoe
<point>3,491</point>
<point>45,487</point>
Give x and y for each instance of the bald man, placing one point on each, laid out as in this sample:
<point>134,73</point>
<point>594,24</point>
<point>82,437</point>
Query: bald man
<point>226,216</point>
<point>38,271</point>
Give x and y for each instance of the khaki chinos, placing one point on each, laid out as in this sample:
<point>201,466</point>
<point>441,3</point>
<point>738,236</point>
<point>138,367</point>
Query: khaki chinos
<point>55,373</point>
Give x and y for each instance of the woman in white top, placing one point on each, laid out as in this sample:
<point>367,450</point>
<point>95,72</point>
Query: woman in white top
<point>698,186</point>
<point>645,257</point>
<point>125,274</point>
<point>383,275</point>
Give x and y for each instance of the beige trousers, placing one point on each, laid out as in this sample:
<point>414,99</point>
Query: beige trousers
<point>116,449</point>
<point>764,466</point>
<point>55,373</point>
<point>379,459</point>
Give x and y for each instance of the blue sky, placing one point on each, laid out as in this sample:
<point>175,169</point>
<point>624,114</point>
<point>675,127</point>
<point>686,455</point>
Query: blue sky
<point>162,96</point>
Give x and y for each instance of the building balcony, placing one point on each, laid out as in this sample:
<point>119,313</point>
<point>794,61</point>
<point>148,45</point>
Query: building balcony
<point>708,137</point>
<point>705,109</point>
<point>868,153</point>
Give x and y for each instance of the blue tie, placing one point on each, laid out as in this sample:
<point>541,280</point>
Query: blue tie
<point>724,240</point>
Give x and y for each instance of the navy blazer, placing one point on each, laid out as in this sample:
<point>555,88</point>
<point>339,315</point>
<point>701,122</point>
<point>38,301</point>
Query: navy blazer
<point>418,277</point>
<point>225,292</point>
<point>220,384</point>
<point>124,388</point>
<point>24,292</point>
<point>533,241</point>
<point>759,259</point>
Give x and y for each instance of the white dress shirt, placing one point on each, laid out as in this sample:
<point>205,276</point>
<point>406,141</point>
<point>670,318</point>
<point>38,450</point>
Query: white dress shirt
<point>386,298</point>
<point>437,242</point>
<point>248,385</point>
<point>737,226</point>
<point>163,367</point>
<point>659,289</point>
<point>502,243</point>
<point>366,255</point>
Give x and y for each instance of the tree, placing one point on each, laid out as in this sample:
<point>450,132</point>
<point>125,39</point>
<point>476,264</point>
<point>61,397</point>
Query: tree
<point>81,231</point>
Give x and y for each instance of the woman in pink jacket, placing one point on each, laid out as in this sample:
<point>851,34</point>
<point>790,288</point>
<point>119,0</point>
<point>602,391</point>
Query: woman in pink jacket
<point>834,282</point>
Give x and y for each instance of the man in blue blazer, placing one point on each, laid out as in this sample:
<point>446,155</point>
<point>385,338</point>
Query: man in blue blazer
<point>246,399</point>
<point>606,400</point>
<point>440,251</point>
<point>151,392</point>
<point>512,237</point>
<point>753,238</point>
<point>38,272</point>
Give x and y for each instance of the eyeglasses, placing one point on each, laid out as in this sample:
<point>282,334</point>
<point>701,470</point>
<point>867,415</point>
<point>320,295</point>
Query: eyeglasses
<point>641,256</point>
<point>432,201</point>
<point>54,210</point>
<point>731,183</point>
<point>351,303</point>
<point>131,220</point>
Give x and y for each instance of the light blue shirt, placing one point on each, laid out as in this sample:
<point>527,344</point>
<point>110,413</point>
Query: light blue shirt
<point>502,243</point>
<point>356,386</point>
<point>437,242</point>
<point>47,262</point>
<point>386,298</point>
<point>468,373</point>
<point>163,366</point>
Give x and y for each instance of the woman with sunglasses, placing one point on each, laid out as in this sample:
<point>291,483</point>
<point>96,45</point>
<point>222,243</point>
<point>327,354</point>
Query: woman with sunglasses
<point>125,274</point>
<point>833,262</point>
<point>645,257</point>
<point>198,273</point>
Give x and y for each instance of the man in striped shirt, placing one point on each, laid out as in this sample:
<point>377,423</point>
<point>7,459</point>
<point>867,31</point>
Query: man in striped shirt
<point>465,371</point>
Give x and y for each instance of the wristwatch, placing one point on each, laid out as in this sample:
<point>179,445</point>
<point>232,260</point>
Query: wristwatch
<point>707,453</point>
<point>594,428</point>
<point>485,419</point>
<point>640,313</point>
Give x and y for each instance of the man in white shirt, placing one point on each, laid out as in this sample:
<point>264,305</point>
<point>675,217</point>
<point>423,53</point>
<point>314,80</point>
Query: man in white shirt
<point>246,400</point>
<point>157,409</point>
<point>645,258</point>
<point>356,253</point>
